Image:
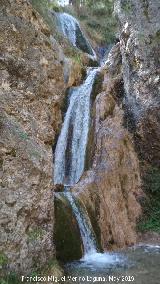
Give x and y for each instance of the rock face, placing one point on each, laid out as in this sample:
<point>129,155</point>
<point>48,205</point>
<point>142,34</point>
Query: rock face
<point>111,188</point>
<point>31,93</point>
<point>34,76</point>
<point>66,233</point>
<point>139,44</point>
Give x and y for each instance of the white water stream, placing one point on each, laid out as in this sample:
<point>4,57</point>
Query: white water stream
<point>86,230</point>
<point>71,146</point>
<point>71,29</point>
<point>70,153</point>
<point>70,159</point>
<point>69,166</point>
<point>70,150</point>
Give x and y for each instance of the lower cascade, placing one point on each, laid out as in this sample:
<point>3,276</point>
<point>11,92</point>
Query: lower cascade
<point>86,230</point>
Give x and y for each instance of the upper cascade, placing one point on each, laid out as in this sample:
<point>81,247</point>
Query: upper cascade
<point>70,27</point>
<point>71,146</point>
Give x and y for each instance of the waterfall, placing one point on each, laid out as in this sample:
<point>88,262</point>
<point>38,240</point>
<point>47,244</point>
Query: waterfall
<point>70,150</point>
<point>70,153</point>
<point>71,146</point>
<point>86,231</point>
<point>70,28</point>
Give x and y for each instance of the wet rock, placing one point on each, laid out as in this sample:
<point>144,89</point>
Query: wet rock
<point>67,235</point>
<point>109,189</point>
<point>59,188</point>
<point>149,238</point>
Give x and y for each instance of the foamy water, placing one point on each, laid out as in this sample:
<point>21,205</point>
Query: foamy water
<point>102,259</point>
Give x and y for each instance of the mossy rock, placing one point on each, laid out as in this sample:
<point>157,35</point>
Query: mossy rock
<point>82,43</point>
<point>150,220</point>
<point>3,259</point>
<point>11,278</point>
<point>67,235</point>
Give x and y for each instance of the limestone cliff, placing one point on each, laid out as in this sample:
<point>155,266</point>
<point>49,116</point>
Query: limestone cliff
<point>31,93</point>
<point>34,76</point>
<point>110,189</point>
<point>139,44</point>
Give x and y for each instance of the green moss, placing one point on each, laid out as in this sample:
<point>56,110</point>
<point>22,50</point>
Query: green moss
<point>81,42</point>
<point>35,154</point>
<point>156,38</point>
<point>141,37</point>
<point>158,35</point>
<point>42,7</point>
<point>10,278</point>
<point>151,207</point>
<point>97,86</point>
<point>152,181</point>
<point>127,6</point>
<point>101,30</point>
<point>78,59</point>
<point>1,163</point>
<point>35,234</point>
<point>145,5</point>
<point>150,224</point>
<point>52,268</point>
<point>3,259</point>
<point>13,152</point>
<point>67,235</point>
<point>55,7</point>
<point>23,135</point>
<point>7,277</point>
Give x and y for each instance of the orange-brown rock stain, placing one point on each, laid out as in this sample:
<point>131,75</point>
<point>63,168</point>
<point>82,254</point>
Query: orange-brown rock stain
<point>113,179</point>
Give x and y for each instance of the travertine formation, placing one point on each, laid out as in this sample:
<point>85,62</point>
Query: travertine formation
<point>111,187</point>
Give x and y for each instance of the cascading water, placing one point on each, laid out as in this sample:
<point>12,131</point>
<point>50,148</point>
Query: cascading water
<point>70,28</point>
<point>70,159</point>
<point>71,146</point>
<point>71,149</point>
<point>69,166</point>
<point>87,234</point>
<point>70,153</point>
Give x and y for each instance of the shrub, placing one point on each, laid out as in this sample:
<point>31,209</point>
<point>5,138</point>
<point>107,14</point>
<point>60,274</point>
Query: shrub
<point>151,211</point>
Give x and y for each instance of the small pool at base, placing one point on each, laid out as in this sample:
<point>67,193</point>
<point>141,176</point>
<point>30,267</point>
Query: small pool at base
<point>139,265</point>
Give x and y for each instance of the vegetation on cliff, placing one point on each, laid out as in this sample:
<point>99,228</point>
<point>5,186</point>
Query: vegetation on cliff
<point>150,220</point>
<point>96,18</point>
